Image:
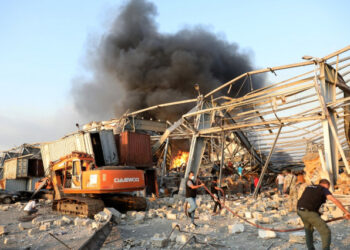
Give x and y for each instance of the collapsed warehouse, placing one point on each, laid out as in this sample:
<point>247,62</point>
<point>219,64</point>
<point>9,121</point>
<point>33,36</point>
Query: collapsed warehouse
<point>299,120</point>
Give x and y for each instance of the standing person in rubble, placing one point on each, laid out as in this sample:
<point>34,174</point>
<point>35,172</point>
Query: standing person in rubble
<point>294,191</point>
<point>215,190</point>
<point>280,182</point>
<point>289,180</point>
<point>191,194</point>
<point>308,210</point>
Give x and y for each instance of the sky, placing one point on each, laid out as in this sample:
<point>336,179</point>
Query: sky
<point>43,48</point>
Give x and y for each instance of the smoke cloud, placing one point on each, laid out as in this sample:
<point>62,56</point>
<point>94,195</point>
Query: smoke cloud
<point>135,66</point>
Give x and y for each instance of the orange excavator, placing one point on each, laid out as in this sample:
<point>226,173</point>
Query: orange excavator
<point>80,188</point>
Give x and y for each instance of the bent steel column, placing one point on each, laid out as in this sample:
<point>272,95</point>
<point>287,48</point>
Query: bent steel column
<point>203,121</point>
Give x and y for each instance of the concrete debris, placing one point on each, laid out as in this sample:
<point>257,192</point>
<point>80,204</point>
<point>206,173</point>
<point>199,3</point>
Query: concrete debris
<point>4,208</point>
<point>2,229</point>
<point>236,228</point>
<point>116,215</point>
<point>159,241</point>
<point>181,238</point>
<point>264,234</point>
<point>102,216</point>
<point>297,237</point>
<point>20,227</point>
<point>45,226</point>
<point>171,216</point>
<point>32,232</point>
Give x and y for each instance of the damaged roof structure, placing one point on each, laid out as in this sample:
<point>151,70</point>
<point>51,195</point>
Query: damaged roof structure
<point>302,103</point>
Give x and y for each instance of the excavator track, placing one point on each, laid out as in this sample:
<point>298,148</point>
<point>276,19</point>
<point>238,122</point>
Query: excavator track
<point>78,206</point>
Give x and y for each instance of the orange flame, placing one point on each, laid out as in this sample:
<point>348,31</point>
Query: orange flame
<point>179,159</point>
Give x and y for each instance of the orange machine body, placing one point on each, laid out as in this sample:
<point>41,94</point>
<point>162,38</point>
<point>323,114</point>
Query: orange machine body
<point>77,174</point>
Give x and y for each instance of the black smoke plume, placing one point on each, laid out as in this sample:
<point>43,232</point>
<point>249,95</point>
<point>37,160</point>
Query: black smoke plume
<point>135,66</point>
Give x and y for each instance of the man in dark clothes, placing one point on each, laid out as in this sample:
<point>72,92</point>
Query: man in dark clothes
<point>214,189</point>
<point>309,204</point>
<point>191,194</point>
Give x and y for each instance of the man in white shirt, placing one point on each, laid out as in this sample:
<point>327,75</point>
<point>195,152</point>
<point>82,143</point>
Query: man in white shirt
<point>280,182</point>
<point>30,207</point>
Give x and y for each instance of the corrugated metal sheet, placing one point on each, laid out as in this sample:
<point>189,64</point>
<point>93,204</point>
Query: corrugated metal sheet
<point>16,168</point>
<point>31,183</point>
<point>53,151</point>
<point>80,142</point>
<point>10,168</point>
<point>22,167</point>
<point>135,149</point>
<point>109,148</point>
<point>16,185</point>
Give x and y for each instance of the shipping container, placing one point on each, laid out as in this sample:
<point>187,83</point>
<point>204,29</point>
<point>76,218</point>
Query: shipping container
<point>101,145</point>
<point>31,183</point>
<point>16,185</point>
<point>16,168</point>
<point>134,149</point>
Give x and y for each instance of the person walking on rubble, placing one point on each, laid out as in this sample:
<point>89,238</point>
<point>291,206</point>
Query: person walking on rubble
<point>280,182</point>
<point>308,210</point>
<point>289,180</point>
<point>191,194</point>
<point>214,189</point>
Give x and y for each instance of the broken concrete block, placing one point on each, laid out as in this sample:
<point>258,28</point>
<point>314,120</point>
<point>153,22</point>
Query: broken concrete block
<point>264,234</point>
<point>116,215</point>
<point>20,227</point>
<point>66,220</point>
<point>235,228</point>
<point>139,218</point>
<point>297,237</point>
<point>159,241</point>
<point>32,232</point>
<point>86,222</point>
<point>171,216</point>
<point>102,216</point>
<point>181,238</point>
<point>248,215</point>
<point>35,221</point>
<point>266,220</point>
<point>3,229</point>
<point>44,227</point>
<point>284,212</point>
<point>48,202</point>
<point>95,225</point>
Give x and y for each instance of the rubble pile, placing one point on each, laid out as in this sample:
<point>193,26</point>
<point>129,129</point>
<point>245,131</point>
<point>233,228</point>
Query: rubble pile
<point>343,184</point>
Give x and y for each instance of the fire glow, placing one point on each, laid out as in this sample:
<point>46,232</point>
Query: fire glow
<point>179,159</point>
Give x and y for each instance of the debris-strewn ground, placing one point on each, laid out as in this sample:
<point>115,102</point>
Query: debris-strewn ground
<point>149,230</point>
<point>35,234</point>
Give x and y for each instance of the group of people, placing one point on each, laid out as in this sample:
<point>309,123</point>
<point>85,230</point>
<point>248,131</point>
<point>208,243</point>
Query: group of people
<point>305,200</point>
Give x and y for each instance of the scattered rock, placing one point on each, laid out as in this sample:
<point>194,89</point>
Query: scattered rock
<point>248,215</point>
<point>4,208</point>
<point>181,238</point>
<point>102,216</point>
<point>7,241</point>
<point>171,216</point>
<point>45,227</point>
<point>32,232</point>
<point>264,234</point>
<point>20,227</point>
<point>235,228</point>
<point>95,225</point>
